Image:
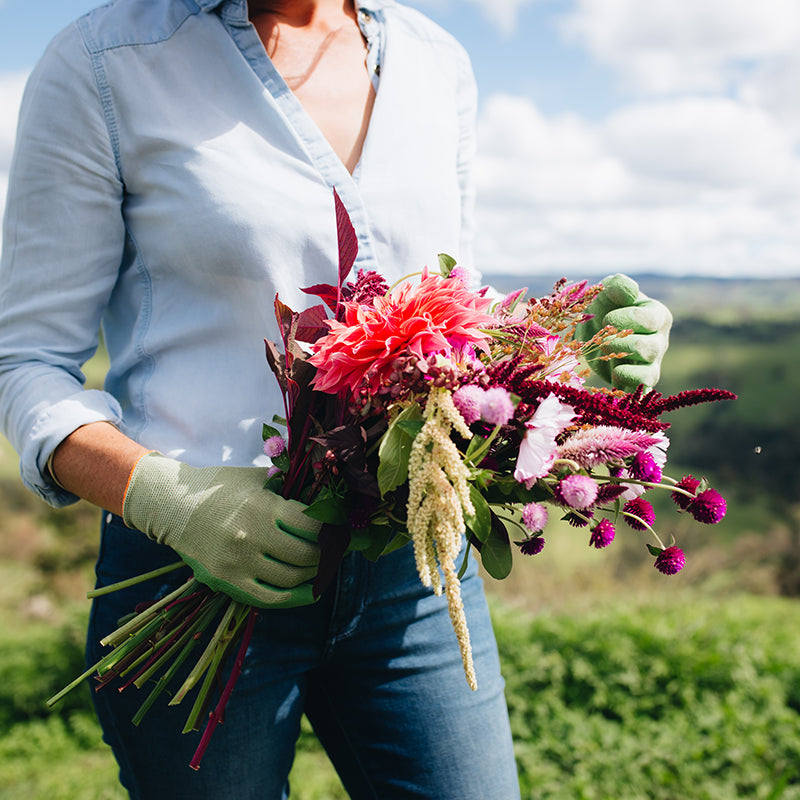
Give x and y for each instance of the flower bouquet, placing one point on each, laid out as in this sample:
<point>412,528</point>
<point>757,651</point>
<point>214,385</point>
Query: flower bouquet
<point>426,414</point>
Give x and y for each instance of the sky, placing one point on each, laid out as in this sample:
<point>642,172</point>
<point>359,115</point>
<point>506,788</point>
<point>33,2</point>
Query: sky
<point>614,135</point>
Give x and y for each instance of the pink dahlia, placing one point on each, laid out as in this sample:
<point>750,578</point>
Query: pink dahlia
<point>435,316</point>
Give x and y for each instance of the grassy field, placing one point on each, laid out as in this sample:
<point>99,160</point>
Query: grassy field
<point>622,684</point>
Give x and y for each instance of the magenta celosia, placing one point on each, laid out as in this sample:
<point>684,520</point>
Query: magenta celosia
<point>602,534</point>
<point>642,512</point>
<point>577,491</point>
<point>593,447</point>
<point>708,507</point>
<point>689,484</point>
<point>670,560</point>
<point>534,516</point>
<point>435,316</point>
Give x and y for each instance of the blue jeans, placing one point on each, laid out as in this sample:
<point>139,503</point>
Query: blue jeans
<point>374,665</point>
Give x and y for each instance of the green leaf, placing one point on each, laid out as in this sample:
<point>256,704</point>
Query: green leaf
<point>332,510</point>
<point>267,432</point>
<point>481,522</point>
<point>410,426</point>
<point>654,551</point>
<point>282,461</point>
<point>446,264</point>
<point>394,450</point>
<point>496,551</point>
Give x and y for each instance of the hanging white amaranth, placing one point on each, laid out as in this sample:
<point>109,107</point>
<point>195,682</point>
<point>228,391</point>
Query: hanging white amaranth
<point>437,501</point>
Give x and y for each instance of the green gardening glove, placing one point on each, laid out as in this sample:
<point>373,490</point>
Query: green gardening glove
<point>624,307</point>
<point>237,537</point>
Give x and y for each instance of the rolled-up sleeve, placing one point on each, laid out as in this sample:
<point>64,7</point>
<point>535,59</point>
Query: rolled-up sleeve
<point>63,239</point>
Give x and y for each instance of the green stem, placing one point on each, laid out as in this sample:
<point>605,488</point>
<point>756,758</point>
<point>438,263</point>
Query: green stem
<point>115,587</point>
<point>125,630</point>
<point>208,653</point>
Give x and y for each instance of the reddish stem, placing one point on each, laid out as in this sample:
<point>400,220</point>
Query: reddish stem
<point>216,714</point>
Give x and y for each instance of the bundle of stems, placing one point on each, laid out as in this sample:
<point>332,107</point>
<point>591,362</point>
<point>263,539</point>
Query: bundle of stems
<point>149,648</point>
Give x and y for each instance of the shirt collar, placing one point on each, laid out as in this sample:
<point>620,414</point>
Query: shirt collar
<point>366,5</point>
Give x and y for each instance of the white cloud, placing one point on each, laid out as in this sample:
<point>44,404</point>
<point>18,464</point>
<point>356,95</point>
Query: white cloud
<point>704,185</point>
<point>668,46</point>
<point>502,14</point>
<point>11,88</point>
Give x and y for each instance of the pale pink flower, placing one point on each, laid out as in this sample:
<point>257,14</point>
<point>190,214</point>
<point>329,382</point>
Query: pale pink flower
<point>538,450</point>
<point>566,363</point>
<point>435,316</point>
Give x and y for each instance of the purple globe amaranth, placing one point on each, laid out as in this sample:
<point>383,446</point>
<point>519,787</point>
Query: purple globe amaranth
<point>602,534</point>
<point>643,510</point>
<point>708,507</point>
<point>577,491</point>
<point>579,519</point>
<point>670,560</point>
<point>645,468</point>
<point>689,484</point>
<point>532,546</point>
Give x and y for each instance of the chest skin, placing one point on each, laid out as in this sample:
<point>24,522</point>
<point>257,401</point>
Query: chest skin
<point>323,63</point>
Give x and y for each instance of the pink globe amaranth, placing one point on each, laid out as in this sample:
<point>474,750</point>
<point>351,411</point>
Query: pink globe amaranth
<point>602,534</point>
<point>467,399</point>
<point>274,446</point>
<point>497,407</point>
<point>670,560</point>
<point>708,507</point>
<point>643,510</point>
<point>577,491</point>
<point>534,516</point>
<point>689,484</point>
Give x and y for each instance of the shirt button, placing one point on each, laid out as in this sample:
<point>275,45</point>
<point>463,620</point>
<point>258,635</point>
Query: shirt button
<point>364,16</point>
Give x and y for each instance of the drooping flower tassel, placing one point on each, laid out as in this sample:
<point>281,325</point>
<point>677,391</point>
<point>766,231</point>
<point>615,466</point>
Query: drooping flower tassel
<point>438,499</point>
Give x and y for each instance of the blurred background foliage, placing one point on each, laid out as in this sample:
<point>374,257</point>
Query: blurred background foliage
<point>623,684</point>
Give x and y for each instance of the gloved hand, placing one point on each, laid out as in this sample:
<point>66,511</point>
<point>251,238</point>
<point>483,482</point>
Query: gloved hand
<point>237,537</point>
<point>623,306</point>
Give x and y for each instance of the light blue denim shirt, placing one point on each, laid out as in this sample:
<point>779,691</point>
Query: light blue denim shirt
<point>166,184</point>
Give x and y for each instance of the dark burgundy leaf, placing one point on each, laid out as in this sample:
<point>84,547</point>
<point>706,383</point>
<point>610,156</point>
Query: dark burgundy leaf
<point>325,292</point>
<point>346,235</point>
<point>333,541</point>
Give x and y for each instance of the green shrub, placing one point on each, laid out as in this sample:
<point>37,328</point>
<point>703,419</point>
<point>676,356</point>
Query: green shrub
<point>698,701</point>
